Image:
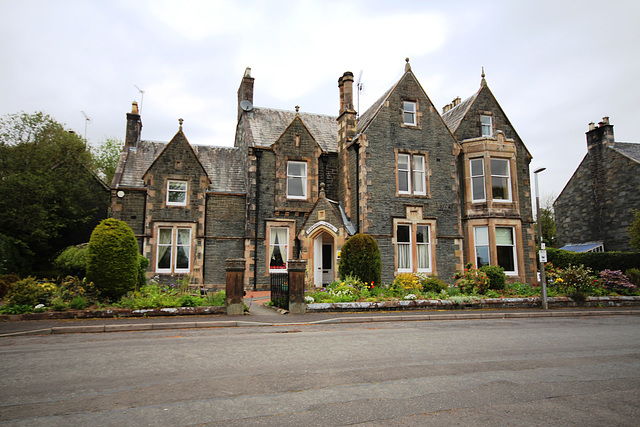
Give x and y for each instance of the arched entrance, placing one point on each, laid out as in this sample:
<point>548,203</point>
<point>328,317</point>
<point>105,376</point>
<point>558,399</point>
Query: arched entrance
<point>324,258</point>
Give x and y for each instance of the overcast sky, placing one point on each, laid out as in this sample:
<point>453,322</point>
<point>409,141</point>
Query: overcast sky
<point>554,66</point>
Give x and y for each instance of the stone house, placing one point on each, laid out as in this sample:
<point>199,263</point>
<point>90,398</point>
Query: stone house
<point>595,208</point>
<point>434,191</point>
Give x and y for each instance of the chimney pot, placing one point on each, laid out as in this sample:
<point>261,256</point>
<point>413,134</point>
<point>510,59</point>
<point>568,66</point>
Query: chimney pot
<point>605,120</point>
<point>592,126</point>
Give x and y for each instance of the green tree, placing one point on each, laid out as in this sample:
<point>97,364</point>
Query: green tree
<point>106,157</point>
<point>548,222</point>
<point>112,259</point>
<point>49,196</point>
<point>360,257</point>
<point>634,230</point>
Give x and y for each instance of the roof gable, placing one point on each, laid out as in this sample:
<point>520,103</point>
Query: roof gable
<point>178,143</point>
<point>266,125</point>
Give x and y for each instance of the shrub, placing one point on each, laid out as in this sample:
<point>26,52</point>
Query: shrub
<point>407,282</point>
<point>431,283</point>
<point>217,299</point>
<point>360,257</point>
<point>471,280</point>
<point>615,281</point>
<point>31,292</point>
<point>596,261</point>
<point>72,287</point>
<point>188,301</point>
<point>6,283</point>
<point>497,278</point>
<point>634,275</point>
<point>577,282</point>
<point>112,259</point>
<point>72,261</point>
<point>78,303</point>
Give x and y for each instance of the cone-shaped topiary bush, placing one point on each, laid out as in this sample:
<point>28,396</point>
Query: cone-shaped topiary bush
<point>360,257</point>
<point>112,259</point>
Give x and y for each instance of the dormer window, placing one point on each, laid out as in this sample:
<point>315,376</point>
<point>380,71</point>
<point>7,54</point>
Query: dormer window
<point>176,193</point>
<point>409,113</point>
<point>487,125</point>
<point>296,180</point>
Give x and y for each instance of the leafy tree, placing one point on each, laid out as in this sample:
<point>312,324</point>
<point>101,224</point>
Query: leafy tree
<point>112,259</point>
<point>634,230</point>
<point>548,222</point>
<point>49,196</point>
<point>106,157</point>
<point>360,257</point>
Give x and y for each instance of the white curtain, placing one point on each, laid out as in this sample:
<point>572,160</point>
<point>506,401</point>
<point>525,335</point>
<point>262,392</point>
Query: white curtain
<point>404,256</point>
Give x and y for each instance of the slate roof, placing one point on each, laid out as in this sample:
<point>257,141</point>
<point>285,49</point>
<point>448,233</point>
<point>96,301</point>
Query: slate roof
<point>454,116</point>
<point>629,149</point>
<point>266,125</point>
<point>581,247</point>
<point>224,165</point>
<point>366,117</point>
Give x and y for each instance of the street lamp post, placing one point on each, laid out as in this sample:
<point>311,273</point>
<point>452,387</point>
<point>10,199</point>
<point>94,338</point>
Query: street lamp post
<point>543,278</point>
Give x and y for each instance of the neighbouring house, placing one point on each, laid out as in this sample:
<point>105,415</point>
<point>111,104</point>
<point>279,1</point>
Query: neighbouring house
<point>595,208</point>
<point>435,191</point>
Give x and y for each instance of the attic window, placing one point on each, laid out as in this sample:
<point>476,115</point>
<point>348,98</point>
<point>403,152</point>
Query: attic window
<point>409,113</point>
<point>487,126</point>
<point>177,193</point>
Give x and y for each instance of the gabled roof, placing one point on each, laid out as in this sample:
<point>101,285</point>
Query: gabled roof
<point>223,165</point>
<point>266,125</point>
<point>628,149</point>
<point>367,116</point>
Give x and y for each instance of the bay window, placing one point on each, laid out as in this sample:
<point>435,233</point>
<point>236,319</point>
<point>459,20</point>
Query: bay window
<point>500,179</point>
<point>504,244</point>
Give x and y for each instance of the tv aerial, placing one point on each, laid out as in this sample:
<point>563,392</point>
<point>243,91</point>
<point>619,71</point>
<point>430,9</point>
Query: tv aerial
<point>359,87</point>
<point>141,98</point>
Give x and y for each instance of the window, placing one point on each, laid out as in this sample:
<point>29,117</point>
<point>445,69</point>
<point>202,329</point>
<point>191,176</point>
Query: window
<point>506,249</point>
<point>477,180</point>
<point>173,250</point>
<point>296,180</point>
<point>412,174</point>
<point>177,193</point>
<point>409,113</point>
<point>413,248</point>
<point>481,238</point>
<point>487,126</point>
<point>500,179</point>
<point>403,239</point>
<point>278,245</point>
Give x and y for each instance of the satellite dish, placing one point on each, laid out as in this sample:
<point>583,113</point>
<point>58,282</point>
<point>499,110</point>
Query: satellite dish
<point>246,105</point>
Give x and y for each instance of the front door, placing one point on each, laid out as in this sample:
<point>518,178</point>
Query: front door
<point>323,259</point>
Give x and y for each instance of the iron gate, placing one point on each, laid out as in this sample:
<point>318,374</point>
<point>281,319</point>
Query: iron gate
<point>280,290</point>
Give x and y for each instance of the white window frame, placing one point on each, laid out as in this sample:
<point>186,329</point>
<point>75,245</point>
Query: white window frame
<point>427,245</point>
<point>486,126</point>
<point>404,172</point>
<point>282,246</point>
<point>409,108</point>
<point>302,178</point>
<point>415,174</point>
<point>476,238</point>
<point>419,174</point>
<point>514,252</point>
<point>171,191</point>
<point>507,176</point>
<point>409,244</point>
<point>477,177</point>
<point>173,247</point>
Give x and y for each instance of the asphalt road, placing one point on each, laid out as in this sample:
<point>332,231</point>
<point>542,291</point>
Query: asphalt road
<point>538,371</point>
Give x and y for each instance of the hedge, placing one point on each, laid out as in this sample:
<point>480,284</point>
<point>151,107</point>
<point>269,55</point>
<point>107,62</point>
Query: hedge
<point>597,261</point>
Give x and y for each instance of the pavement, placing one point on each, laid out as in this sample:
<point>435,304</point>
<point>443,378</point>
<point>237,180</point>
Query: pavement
<point>261,315</point>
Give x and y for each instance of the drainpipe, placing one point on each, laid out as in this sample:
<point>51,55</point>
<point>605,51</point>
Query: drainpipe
<point>258,155</point>
<point>356,146</point>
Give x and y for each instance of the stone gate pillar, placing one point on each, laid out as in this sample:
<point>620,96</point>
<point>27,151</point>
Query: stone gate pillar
<point>235,286</point>
<point>297,269</point>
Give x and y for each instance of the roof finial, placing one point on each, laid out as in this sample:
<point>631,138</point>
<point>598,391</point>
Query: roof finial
<point>297,109</point>
<point>483,83</point>
<point>180,121</point>
<point>407,66</point>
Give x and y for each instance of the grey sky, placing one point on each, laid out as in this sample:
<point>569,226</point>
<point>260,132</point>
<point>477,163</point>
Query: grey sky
<point>554,66</point>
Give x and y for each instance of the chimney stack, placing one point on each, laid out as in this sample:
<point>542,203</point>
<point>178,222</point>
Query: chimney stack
<point>245,91</point>
<point>600,135</point>
<point>134,127</point>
